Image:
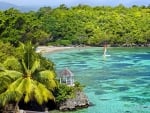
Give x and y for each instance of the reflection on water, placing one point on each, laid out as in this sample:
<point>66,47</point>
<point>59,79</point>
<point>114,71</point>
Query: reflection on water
<point>119,83</point>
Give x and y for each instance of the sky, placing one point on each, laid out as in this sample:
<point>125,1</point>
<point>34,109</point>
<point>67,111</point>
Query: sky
<point>56,3</point>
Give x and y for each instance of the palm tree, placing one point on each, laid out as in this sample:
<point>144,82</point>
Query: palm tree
<point>28,82</point>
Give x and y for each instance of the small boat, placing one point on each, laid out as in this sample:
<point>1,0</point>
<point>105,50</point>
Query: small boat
<point>105,51</point>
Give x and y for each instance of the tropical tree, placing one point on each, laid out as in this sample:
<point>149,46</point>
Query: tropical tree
<point>29,82</point>
<point>6,49</point>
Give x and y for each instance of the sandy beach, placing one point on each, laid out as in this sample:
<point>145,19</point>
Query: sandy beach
<point>45,49</point>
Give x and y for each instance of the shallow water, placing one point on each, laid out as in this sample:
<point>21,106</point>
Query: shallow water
<point>119,83</point>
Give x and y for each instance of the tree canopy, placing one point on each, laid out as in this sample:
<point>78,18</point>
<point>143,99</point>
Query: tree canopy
<point>76,25</point>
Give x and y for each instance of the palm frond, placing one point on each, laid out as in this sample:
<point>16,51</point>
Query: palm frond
<point>27,98</point>
<point>11,63</point>
<point>29,86</point>
<point>26,87</point>
<point>12,74</point>
<point>47,78</point>
<point>42,94</point>
<point>24,67</point>
<point>47,74</point>
<point>4,83</point>
<point>15,84</point>
<point>51,85</point>
<point>9,96</point>
<point>21,87</point>
<point>7,77</point>
<point>35,66</point>
<point>29,55</point>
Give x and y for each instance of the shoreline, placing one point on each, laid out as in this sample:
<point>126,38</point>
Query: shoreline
<point>49,49</point>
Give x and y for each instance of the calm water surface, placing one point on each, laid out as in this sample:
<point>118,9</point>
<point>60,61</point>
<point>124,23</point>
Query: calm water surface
<point>119,83</point>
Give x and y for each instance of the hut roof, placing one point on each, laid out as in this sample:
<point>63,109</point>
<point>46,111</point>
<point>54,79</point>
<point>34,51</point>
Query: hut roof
<point>66,72</point>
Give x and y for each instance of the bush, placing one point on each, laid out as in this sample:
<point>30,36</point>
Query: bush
<point>64,92</point>
<point>64,42</point>
<point>6,49</point>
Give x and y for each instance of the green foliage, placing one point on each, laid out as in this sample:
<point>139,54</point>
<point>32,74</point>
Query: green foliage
<point>16,26</point>
<point>64,42</point>
<point>6,49</point>
<point>23,78</point>
<point>64,92</point>
<point>95,25</point>
<point>78,86</point>
<point>46,63</point>
<point>81,24</point>
<point>11,63</point>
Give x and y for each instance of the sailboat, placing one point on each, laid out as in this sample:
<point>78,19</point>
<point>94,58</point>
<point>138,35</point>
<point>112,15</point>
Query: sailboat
<point>105,51</point>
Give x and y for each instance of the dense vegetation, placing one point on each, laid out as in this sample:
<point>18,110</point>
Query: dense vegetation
<point>24,78</point>
<point>64,92</point>
<point>29,80</point>
<point>22,70</point>
<point>81,24</point>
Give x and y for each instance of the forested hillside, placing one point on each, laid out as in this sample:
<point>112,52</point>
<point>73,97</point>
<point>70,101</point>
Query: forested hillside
<point>77,25</point>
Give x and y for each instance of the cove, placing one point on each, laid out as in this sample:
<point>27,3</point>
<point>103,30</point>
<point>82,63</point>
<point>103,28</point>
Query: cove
<point>119,83</point>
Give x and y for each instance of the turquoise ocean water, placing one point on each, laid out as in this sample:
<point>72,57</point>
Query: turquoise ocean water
<point>119,83</point>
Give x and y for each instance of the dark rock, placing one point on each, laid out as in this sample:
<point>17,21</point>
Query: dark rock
<point>91,104</point>
<point>80,101</point>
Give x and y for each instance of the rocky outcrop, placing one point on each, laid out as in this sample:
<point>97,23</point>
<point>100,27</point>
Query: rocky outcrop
<point>80,101</point>
<point>10,108</point>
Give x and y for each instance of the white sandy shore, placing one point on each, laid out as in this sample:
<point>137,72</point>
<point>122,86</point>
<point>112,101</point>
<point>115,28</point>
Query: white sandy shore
<point>44,49</point>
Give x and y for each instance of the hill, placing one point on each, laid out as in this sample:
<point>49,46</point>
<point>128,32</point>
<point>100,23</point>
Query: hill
<point>5,6</point>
